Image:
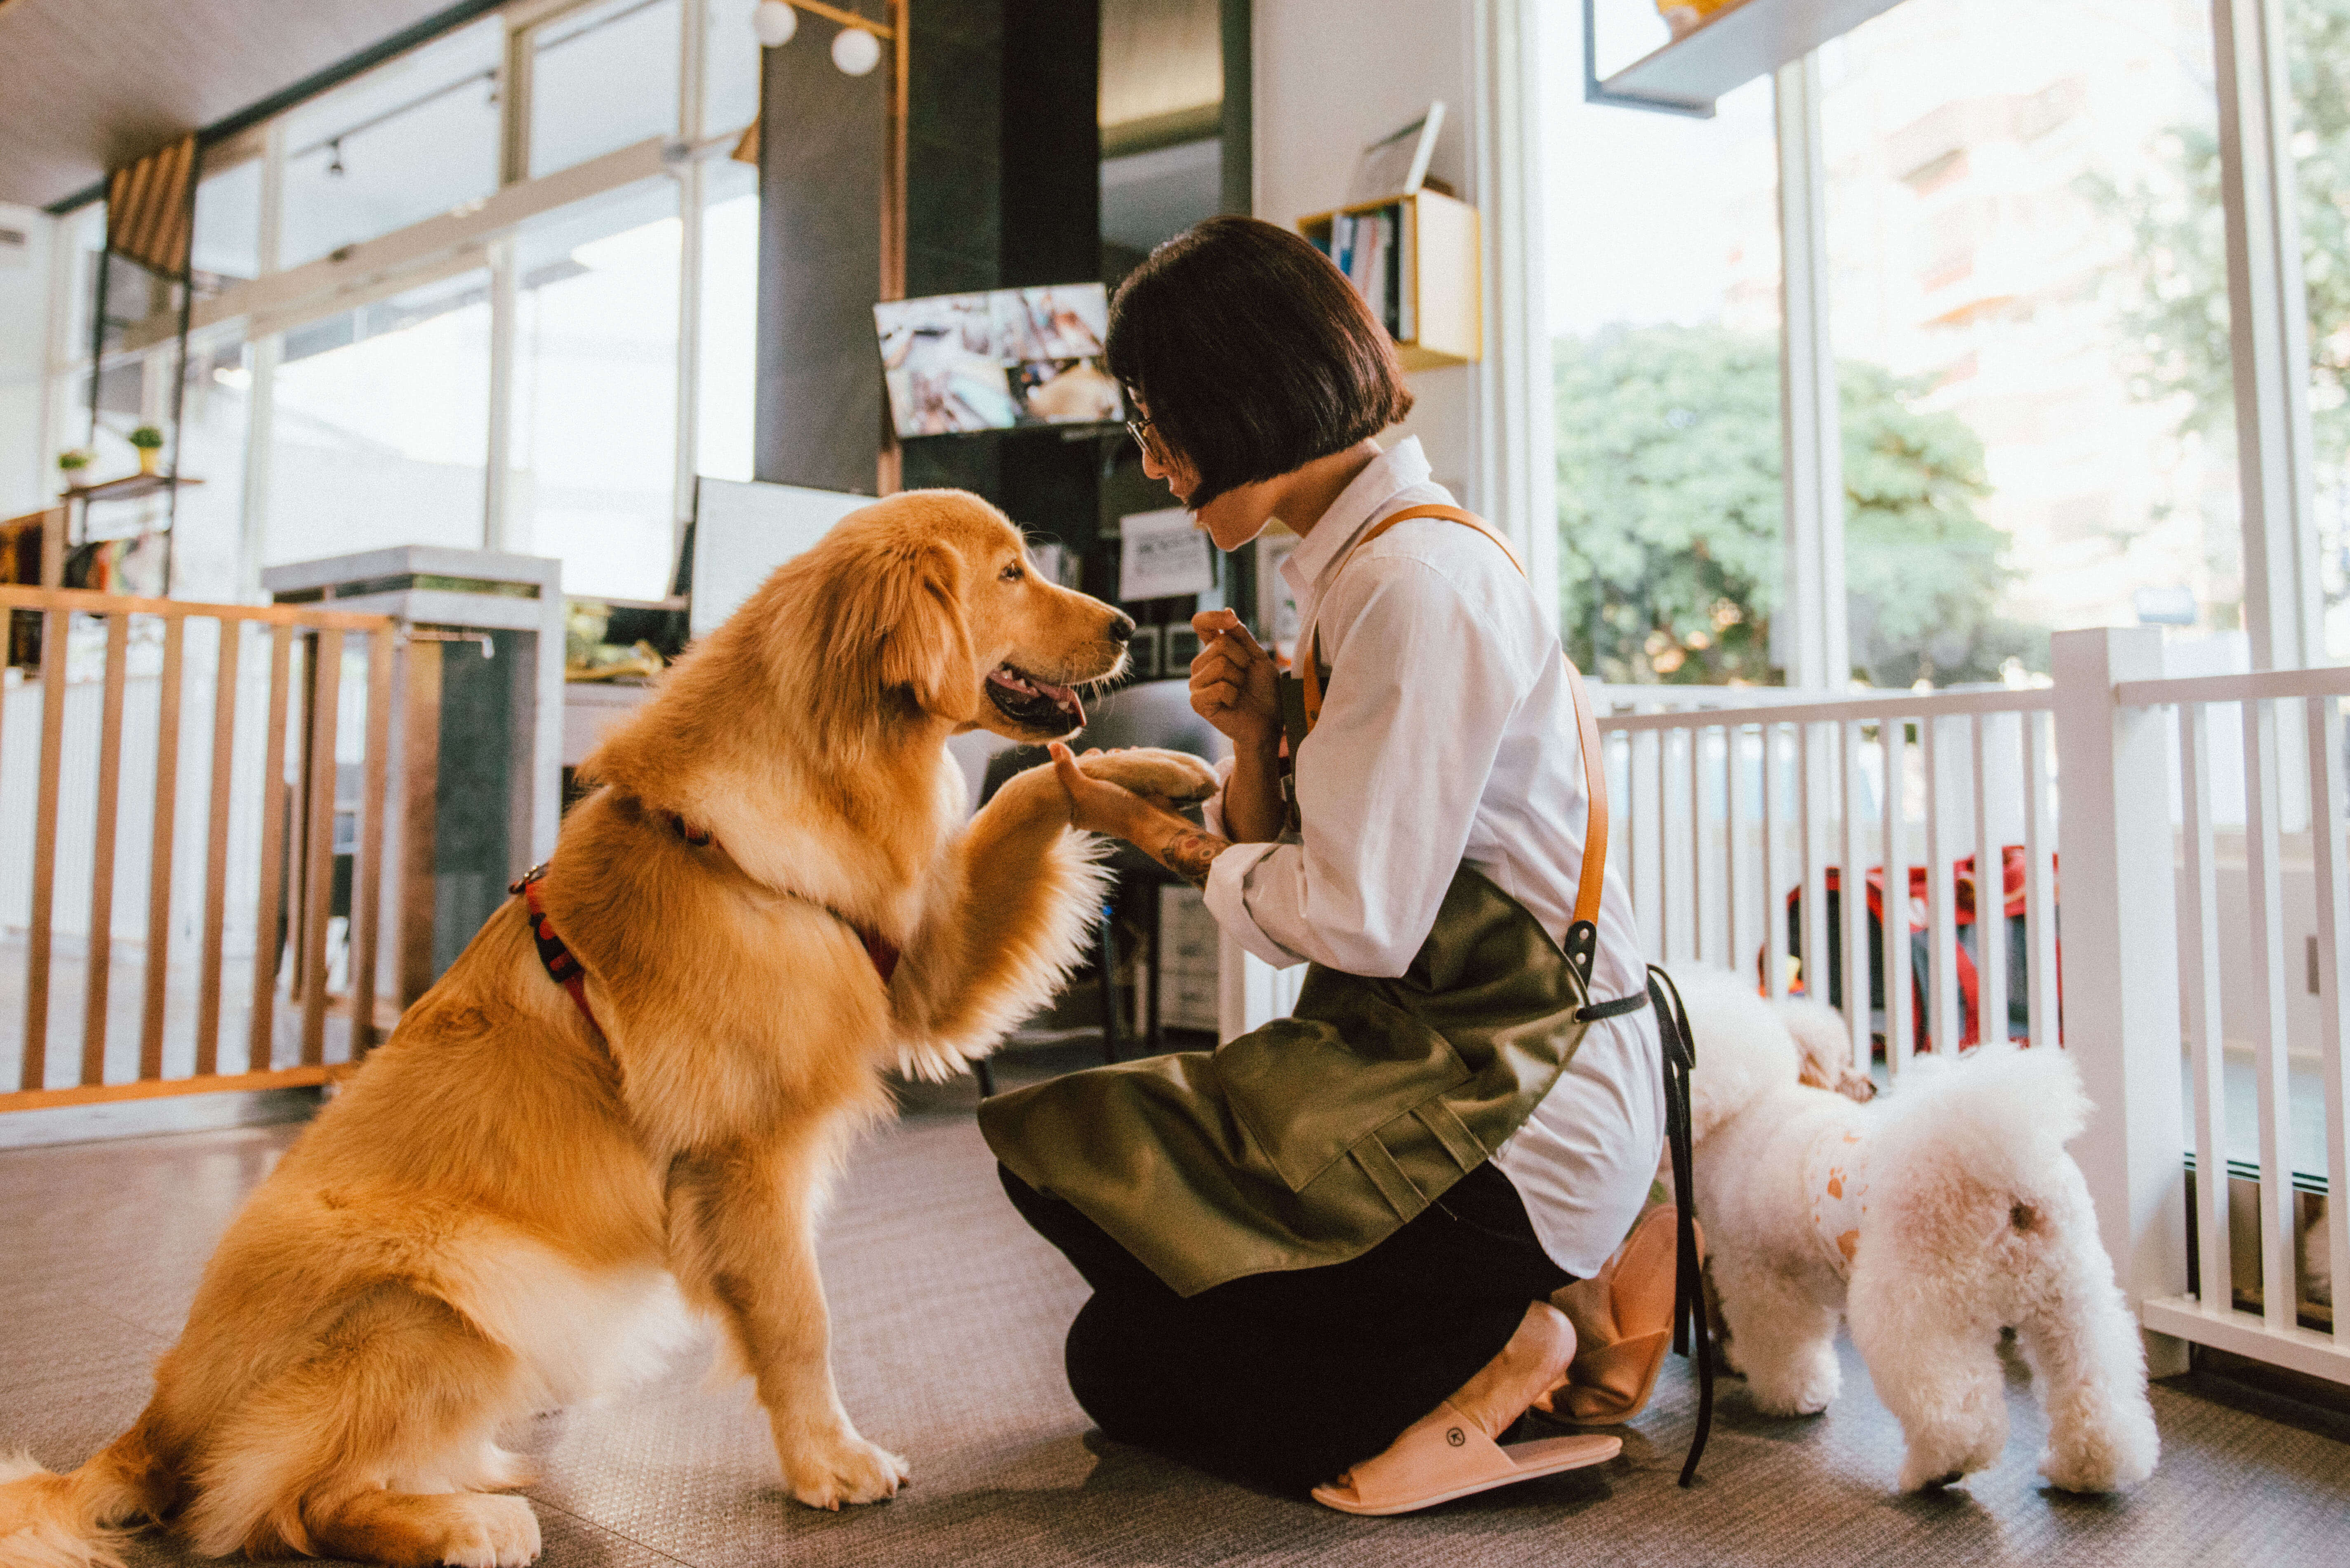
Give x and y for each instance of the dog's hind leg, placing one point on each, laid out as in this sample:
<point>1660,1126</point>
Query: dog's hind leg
<point>374,1446</point>
<point>2086,1359</point>
<point>1935,1361</point>
<point>1786,1339</point>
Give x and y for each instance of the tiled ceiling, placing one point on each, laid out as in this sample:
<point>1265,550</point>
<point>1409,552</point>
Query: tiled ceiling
<point>89,84</point>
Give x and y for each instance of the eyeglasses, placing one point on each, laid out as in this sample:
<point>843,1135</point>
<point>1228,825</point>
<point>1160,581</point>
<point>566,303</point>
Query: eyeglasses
<point>1135,429</point>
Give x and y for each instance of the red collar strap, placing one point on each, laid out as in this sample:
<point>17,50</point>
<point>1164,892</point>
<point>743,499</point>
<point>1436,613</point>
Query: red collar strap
<point>562,965</point>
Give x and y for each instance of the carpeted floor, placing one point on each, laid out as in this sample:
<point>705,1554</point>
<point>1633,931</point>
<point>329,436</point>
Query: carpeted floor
<point>948,1318</point>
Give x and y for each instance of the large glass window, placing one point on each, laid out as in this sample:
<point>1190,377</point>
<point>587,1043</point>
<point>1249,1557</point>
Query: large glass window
<point>227,243</point>
<point>602,77</point>
<point>732,61</point>
<point>595,418</point>
<point>2318,42</point>
<point>729,351</point>
<point>410,140</point>
<point>381,425</point>
<point>2030,304</point>
<point>215,414</point>
<point>1663,293</point>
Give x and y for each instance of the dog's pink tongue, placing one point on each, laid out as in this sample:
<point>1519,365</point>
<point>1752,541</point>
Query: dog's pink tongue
<point>1061,695</point>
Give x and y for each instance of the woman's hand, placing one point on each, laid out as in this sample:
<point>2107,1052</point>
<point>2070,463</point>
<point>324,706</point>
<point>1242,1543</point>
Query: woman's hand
<point>1234,683</point>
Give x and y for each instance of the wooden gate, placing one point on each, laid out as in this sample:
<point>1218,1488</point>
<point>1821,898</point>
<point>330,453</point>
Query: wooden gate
<point>231,725</point>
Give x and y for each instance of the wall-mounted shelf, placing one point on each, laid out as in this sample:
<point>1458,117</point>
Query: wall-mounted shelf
<point>1749,39</point>
<point>127,488</point>
<point>1439,318</point>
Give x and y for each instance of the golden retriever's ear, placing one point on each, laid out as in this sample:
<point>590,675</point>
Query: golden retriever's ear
<point>892,620</point>
<point>927,648</point>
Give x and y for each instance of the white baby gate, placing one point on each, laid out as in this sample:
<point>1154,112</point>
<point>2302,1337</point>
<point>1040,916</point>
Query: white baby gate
<point>2139,854</point>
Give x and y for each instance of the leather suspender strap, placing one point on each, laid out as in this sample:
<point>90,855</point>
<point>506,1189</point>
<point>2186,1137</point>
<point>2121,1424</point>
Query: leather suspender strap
<point>1583,936</point>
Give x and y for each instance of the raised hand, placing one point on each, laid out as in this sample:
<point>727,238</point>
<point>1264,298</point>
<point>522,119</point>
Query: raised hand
<point>1235,682</point>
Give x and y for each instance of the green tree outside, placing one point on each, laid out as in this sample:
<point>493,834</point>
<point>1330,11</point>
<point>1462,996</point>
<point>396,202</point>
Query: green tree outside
<point>1672,566</point>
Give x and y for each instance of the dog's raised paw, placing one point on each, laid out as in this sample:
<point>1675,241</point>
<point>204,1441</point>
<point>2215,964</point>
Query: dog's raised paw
<point>829,1472</point>
<point>1176,777</point>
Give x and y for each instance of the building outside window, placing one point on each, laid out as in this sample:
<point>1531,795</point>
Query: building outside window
<point>1998,219</point>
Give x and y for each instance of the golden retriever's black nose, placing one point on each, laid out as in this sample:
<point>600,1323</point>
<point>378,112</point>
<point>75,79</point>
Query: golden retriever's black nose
<point>1121,627</point>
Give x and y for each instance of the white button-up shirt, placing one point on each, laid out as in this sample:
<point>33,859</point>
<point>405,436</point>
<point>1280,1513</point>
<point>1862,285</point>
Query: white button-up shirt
<point>1447,734</point>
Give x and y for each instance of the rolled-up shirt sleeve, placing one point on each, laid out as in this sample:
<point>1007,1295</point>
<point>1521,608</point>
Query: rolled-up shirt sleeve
<point>1228,878</point>
<point>1420,692</point>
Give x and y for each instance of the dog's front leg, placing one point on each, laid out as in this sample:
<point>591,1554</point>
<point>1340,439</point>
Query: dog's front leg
<point>742,1240</point>
<point>1013,915</point>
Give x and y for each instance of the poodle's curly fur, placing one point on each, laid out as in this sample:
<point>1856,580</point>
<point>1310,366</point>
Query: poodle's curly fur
<point>1976,1220</point>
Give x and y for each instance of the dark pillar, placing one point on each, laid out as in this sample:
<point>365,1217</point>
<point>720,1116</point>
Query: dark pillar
<point>1052,233</point>
<point>1052,141</point>
<point>954,230</point>
<point>820,151</point>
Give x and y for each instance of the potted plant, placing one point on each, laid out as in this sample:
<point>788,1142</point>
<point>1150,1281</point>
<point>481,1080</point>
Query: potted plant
<point>74,463</point>
<point>150,443</point>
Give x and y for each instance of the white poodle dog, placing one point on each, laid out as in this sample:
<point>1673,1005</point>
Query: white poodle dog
<point>1930,1220</point>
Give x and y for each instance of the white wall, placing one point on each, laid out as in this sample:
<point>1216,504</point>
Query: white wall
<point>1333,76</point>
<point>25,473</point>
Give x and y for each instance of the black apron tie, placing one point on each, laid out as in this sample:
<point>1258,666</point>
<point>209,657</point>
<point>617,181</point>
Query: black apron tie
<point>1689,1287</point>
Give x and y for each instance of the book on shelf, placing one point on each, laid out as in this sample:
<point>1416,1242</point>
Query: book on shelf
<point>1373,250</point>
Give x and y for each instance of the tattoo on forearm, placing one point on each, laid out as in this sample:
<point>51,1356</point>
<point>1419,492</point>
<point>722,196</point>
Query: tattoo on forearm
<point>1190,853</point>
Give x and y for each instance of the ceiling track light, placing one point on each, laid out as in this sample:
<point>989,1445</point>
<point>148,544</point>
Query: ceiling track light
<point>335,157</point>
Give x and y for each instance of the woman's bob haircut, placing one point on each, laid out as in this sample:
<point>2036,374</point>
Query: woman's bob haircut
<point>1254,354</point>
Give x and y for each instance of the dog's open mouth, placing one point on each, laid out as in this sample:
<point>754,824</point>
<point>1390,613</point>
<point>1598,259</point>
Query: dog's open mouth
<point>1034,704</point>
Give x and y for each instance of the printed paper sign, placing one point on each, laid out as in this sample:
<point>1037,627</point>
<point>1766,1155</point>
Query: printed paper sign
<point>1162,555</point>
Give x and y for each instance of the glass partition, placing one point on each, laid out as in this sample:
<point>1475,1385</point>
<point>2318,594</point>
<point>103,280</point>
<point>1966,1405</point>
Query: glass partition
<point>2317,41</point>
<point>227,243</point>
<point>732,60</point>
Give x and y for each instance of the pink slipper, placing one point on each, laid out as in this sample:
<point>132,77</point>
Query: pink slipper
<point>1442,1455</point>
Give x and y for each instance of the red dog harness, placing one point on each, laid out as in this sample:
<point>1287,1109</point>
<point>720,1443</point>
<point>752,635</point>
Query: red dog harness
<point>563,965</point>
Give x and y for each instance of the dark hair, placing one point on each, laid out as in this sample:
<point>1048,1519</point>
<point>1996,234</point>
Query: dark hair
<point>1253,352</point>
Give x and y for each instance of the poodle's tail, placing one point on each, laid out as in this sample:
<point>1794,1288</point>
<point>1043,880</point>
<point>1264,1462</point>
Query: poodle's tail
<point>77,1521</point>
<point>2001,1115</point>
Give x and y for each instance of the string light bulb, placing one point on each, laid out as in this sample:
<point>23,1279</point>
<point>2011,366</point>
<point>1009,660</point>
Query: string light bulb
<point>775,21</point>
<point>856,51</point>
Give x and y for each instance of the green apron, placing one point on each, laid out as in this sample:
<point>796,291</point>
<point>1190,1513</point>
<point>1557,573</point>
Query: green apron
<point>1313,1139</point>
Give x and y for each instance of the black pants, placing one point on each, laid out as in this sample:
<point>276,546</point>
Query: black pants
<point>1284,1379</point>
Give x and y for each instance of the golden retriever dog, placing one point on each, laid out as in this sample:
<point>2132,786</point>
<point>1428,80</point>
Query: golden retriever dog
<point>503,1208</point>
